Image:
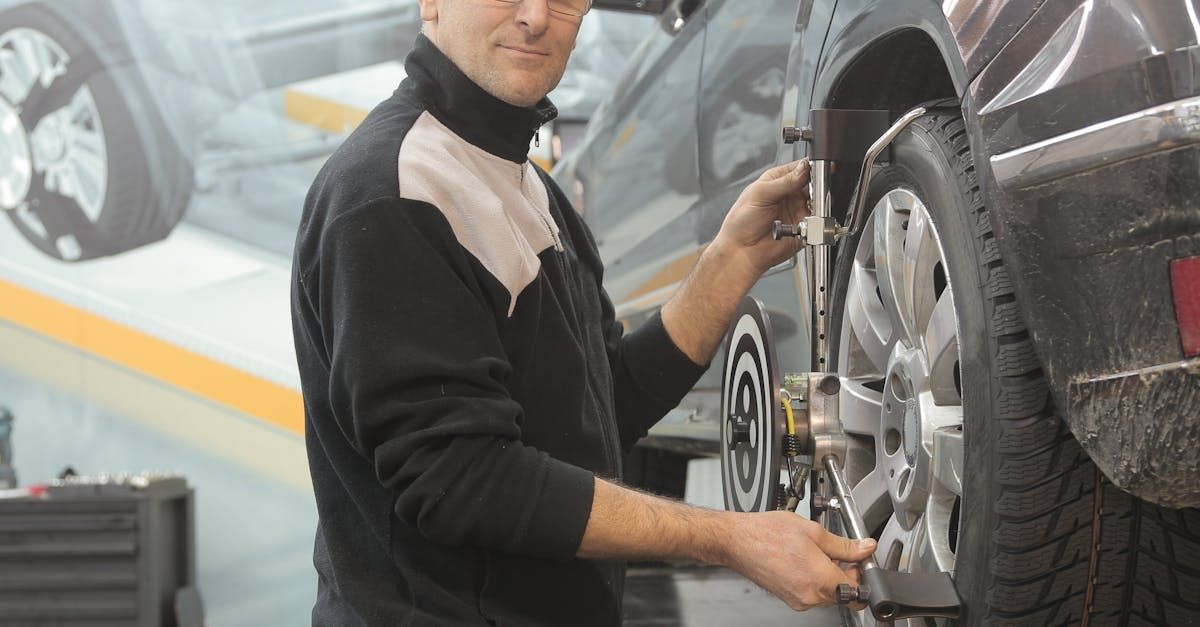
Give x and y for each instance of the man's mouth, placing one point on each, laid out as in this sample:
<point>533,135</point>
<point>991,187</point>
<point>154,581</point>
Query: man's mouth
<point>525,51</point>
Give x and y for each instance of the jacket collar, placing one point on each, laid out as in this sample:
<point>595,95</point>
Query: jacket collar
<point>467,109</point>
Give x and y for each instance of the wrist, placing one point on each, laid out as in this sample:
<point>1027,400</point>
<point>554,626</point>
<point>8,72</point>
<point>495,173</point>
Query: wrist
<point>710,536</point>
<point>734,262</point>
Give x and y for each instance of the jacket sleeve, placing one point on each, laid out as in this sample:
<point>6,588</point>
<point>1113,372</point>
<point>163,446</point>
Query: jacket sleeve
<point>418,385</point>
<point>651,375</point>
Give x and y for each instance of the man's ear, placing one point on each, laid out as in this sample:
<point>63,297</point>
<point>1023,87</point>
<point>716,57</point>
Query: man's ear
<point>429,10</point>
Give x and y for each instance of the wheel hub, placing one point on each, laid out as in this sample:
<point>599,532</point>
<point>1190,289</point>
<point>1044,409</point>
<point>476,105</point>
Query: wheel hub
<point>905,454</point>
<point>16,163</point>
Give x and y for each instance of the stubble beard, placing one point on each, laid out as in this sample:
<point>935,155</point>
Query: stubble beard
<point>523,93</point>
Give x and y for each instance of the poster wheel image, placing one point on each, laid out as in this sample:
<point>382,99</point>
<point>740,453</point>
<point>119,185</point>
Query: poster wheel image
<point>91,169</point>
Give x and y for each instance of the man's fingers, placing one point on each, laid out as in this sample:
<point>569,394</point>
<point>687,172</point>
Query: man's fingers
<point>782,181</point>
<point>844,549</point>
<point>829,576</point>
<point>797,168</point>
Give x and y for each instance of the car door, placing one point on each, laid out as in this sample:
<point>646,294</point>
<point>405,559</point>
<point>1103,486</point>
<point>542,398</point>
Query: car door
<point>638,165</point>
<point>743,80</point>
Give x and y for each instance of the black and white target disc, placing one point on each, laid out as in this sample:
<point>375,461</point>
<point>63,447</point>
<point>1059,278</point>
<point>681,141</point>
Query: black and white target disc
<point>752,422</point>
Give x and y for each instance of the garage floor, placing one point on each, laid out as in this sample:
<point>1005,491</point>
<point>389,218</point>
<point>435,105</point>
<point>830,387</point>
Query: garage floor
<point>255,515</point>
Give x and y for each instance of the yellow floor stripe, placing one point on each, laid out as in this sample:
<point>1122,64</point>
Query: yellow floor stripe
<point>321,113</point>
<point>154,358</point>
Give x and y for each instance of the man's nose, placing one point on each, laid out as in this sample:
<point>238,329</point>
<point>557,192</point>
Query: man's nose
<point>534,16</point>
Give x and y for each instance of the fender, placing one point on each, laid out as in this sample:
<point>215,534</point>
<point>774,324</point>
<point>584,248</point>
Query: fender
<point>1115,368</point>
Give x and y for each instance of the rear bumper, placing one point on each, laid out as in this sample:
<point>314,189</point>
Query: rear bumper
<point>1088,224</point>
<point>1143,424</point>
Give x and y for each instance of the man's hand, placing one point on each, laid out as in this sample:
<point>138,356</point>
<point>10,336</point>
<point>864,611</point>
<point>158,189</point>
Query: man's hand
<point>781,193</point>
<point>788,555</point>
<point>697,314</point>
<point>793,557</point>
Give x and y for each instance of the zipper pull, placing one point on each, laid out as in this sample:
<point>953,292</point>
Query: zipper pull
<point>537,138</point>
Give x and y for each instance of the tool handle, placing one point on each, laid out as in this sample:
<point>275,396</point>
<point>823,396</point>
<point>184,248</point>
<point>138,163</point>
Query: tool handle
<point>890,594</point>
<point>894,595</point>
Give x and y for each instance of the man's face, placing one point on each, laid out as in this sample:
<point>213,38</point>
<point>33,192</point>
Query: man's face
<point>516,52</point>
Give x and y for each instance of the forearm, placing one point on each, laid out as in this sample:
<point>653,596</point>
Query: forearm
<point>627,524</point>
<point>699,312</point>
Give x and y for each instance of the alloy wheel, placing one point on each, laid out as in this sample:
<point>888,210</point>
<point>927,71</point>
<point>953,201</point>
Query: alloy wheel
<point>902,402</point>
<point>64,145</point>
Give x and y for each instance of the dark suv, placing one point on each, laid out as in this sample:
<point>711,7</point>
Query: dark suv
<point>1017,326</point>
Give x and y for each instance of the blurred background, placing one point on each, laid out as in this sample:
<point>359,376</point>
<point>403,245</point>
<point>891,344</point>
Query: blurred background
<point>146,249</point>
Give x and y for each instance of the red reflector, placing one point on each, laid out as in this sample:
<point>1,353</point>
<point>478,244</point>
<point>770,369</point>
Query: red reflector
<point>1185,284</point>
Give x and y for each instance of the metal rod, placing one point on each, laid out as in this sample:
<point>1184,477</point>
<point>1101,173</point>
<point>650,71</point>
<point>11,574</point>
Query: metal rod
<point>216,161</point>
<point>309,23</point>
<point>818,267</point>
<point>864,176</point>
<point>852,519</point>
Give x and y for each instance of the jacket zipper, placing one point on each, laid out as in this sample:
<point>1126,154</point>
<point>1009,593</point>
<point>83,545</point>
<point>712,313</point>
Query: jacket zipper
<point>558,245</point>
<point>593,388</point>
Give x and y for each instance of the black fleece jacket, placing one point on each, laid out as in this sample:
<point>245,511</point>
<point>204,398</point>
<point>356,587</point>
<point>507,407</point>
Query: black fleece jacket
<point>463,375</point>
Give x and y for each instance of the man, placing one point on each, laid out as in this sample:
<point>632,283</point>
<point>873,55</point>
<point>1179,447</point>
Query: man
<point>468,393</point>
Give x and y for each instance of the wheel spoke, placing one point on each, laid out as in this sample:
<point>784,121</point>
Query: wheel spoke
<point>89,185</point>
<point>28,59</point>
<point>889,266</point>
<point>931,547</point>
<point>948,459</point>
<point>15,83</point>
<point>871,496</point>
<point>861,408</point>
<point>894,538</point>
<point>920,258</point>
<point>87,141</point>
<point>941,345</point>
<point>868,320</point>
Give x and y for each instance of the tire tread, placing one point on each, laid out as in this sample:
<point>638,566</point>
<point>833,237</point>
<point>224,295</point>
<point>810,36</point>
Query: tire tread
<point>1146,560</point>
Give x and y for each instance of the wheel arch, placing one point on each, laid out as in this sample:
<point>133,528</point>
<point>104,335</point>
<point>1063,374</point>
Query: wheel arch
<point>897,71</point>
<point>882,42</point>
<point>894,58</point>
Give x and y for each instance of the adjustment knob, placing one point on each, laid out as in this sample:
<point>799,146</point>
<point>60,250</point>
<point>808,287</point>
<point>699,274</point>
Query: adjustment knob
<point>737,431</point>
<point>818,503</point>
<point>793,134</point>
<point>779,230</point>
<point>848,593</point>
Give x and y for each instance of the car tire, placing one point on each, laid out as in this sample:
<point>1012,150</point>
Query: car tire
<point>1035,521</point>
<point>108,176</point>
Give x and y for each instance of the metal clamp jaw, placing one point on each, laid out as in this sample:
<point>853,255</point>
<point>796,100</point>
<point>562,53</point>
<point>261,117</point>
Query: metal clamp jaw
<point>814,427</point>
<point>840,135</point>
